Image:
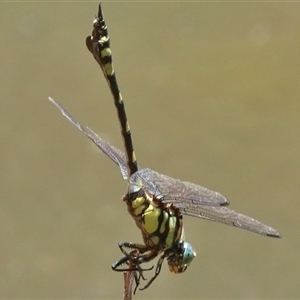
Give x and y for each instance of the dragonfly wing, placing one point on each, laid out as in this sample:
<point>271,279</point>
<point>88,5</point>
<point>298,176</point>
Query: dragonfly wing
<point>197,201</point>
<point>176,191</point>
<point>227,216</point>
<point>115,154</point>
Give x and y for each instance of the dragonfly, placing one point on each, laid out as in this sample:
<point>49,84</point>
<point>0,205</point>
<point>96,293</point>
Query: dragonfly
<point>156,202</point>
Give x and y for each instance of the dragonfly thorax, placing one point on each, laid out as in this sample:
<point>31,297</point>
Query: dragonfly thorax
<point>161,224</point>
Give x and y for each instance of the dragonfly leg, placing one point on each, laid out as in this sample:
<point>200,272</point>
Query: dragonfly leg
<point>140,254</point>
<point>157,271</point>
<point>139,247</point>
<point>134,257</point>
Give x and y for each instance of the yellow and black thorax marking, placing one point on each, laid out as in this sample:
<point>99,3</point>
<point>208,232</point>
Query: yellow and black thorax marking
<point>161,224</point>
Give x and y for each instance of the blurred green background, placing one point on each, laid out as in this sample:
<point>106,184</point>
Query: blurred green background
<point>212,95</point>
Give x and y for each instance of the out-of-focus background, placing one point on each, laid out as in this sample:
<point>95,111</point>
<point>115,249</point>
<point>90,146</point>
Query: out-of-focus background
<point>212,95</point>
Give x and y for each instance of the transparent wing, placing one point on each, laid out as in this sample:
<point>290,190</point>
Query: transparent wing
<point>227,216</point>
<point>176,191</point>
<point>116,155</point>
<point>191,199</point>
<point>197,201</point>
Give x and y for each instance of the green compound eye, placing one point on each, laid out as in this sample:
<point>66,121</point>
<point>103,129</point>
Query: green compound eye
<point>188,254</point>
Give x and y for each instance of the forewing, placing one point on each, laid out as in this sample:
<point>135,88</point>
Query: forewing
<point>197,201</point>
<point>115,154</point>
<point>180,193</point>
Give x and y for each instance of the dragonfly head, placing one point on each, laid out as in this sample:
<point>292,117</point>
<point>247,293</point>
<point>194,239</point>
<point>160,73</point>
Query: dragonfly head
<point>181,258</point>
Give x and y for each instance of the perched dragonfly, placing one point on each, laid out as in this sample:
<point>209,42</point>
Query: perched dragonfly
<point>156,202</point>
